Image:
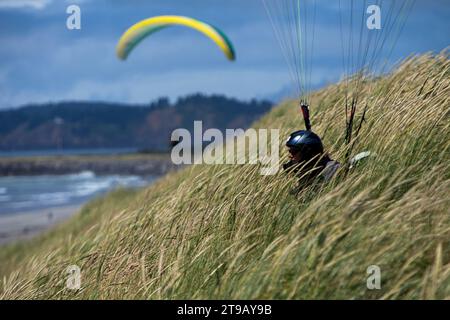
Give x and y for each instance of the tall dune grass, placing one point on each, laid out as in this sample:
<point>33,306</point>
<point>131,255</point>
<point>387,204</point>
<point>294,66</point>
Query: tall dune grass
<point>226,232</point>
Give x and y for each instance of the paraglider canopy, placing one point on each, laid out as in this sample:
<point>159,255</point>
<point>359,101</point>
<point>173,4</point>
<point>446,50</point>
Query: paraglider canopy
<point>136,33</point>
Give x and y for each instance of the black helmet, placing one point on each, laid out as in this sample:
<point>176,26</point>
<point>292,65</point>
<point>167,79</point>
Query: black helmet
<point>306,142</point>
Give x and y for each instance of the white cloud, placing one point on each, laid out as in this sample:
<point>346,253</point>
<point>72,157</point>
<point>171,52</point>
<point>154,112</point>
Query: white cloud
<point>144,88</point>
<point>35,4</point>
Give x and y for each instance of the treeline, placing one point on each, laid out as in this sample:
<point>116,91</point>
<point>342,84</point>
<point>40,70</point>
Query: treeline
<point>107,125</point>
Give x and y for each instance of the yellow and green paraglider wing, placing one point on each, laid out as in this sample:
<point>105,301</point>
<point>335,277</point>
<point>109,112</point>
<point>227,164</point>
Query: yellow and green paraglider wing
<point>136,33</point>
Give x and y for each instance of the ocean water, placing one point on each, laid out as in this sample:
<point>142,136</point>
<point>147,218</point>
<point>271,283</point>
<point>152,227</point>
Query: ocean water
<point>26,193</point>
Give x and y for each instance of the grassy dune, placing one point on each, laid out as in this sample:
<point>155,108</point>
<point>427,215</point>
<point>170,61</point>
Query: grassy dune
<point>228,232</point>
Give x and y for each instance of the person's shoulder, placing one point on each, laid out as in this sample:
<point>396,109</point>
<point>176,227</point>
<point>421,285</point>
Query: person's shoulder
<point>330,169</point>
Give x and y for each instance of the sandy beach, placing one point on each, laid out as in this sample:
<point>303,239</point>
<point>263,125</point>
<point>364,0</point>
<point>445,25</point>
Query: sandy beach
<point>25,225</point>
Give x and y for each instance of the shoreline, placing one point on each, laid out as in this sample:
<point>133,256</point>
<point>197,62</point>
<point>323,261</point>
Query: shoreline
<point>25,225</point>
<point>127,164</point>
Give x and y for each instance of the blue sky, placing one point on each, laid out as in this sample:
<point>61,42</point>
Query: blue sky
<point>42,61</point>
